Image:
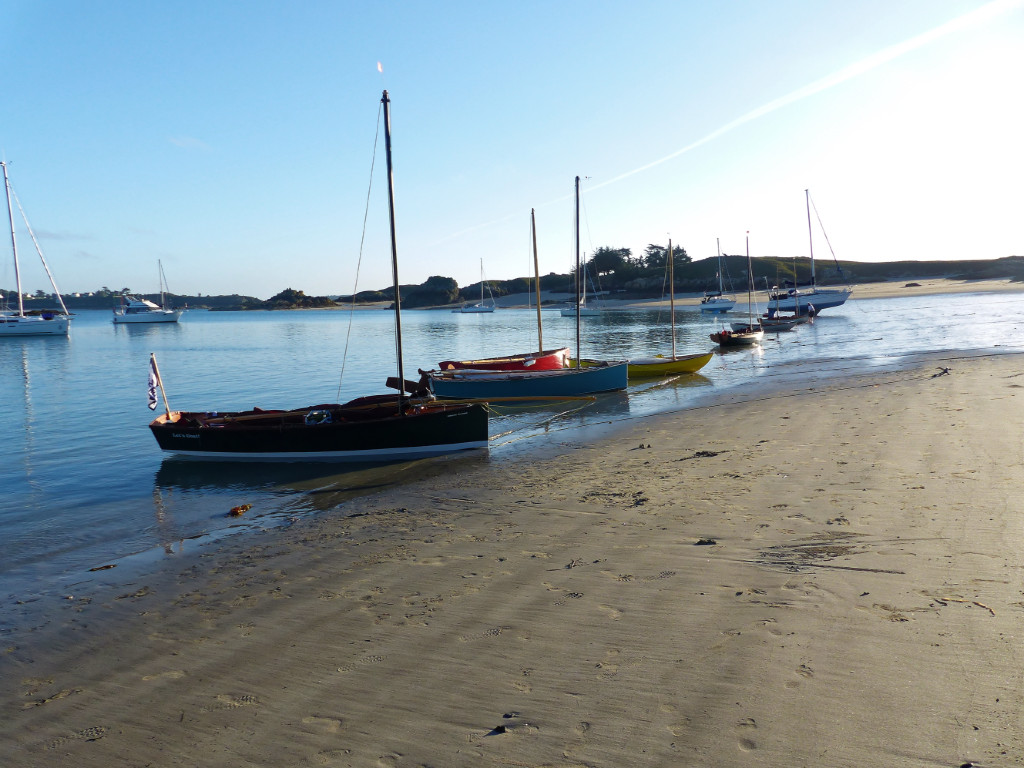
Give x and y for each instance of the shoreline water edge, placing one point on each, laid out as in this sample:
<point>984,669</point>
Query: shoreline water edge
<point>829,576</point>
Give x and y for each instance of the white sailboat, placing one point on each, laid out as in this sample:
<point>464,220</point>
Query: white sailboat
<point>717,302</point>
<point>810,298</point>
<point>480,306</point>
<point>135,309</point>
<point>17,323</point>
<point>584,310</point>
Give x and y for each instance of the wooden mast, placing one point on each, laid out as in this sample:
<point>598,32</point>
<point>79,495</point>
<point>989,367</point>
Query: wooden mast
<point>394,252</point>
<point>536,278</point>
<point>672,295</point>
<point>579,275</point>
<point>750,286</point>
<point>810,242</point>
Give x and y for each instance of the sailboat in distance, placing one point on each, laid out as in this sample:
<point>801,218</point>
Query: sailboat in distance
<point>717,302</point>
<point>135,309</point>
<point>481,306</point>
<point>17,322</point>
<point>810,298</point>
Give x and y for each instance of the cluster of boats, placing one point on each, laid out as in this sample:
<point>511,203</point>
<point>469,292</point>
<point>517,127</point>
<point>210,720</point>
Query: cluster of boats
<point>18,322</point>
<point>446,409</point>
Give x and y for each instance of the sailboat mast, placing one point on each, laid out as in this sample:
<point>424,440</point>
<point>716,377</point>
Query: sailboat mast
<point>750,285</point>
<point>672,295</point>
<point>481,281</point>
<point>579,275</point>
<point>394,250</point>
<point>536,278</point>
<point>14,242</point>
<point>721,285</point>
<point>810,241</point>
<point>160,269</point>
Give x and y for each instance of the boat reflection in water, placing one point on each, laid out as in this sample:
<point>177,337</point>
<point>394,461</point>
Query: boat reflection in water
<point>193,501</point>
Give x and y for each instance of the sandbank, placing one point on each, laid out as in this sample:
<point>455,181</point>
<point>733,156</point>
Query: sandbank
<point>823,577</point>
<point>881,290</point>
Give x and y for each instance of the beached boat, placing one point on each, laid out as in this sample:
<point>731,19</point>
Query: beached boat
<point>386,427</point>
<point>481,306</point>
<point>543,360</point>
<point>135,309</point>
<point>526,385</point>
<point>660,365</point>
<point>546,360</point>
<point>17,322</point>
<point>745,334</point>
<point>716,302</point>
<point>469,384</point>
<point>747,337</point>
<point>775,323</point>
<point>810,298</point>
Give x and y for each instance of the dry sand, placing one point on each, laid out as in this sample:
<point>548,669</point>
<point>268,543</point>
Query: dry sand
<point>831,578</point>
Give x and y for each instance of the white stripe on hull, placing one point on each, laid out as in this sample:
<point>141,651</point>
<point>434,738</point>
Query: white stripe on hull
<point>378,454</point>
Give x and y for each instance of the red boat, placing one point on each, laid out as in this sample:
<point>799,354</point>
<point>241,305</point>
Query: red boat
<point>549,360</point>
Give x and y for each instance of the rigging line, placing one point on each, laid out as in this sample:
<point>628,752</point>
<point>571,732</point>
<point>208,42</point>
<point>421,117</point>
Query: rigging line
<point>824,233</point>
<point>359,261</point>
<point>590,239</point>
<point>39,250</point>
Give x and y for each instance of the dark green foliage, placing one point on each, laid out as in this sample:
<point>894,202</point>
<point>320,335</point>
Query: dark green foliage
<point>436,291</point>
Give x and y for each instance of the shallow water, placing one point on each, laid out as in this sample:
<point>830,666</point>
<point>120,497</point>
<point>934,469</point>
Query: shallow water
<point>83,485</point>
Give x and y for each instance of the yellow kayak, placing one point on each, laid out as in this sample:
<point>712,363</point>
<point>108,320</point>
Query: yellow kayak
<point>659,365</point>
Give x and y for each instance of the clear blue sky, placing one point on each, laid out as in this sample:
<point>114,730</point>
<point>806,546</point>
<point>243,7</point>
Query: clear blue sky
<point>234,140</point>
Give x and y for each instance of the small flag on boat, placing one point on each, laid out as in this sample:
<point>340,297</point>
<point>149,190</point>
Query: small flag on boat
<point>154,379</point>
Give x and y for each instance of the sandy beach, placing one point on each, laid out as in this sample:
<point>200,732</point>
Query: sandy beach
<point>883,290</point>
<point>828,577</point>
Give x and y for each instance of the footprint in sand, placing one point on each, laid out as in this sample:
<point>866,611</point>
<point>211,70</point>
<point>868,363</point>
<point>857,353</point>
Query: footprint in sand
<point>330,757</point>
<point>608,667</point>
<point>746,741</point>
<point>324,724</point>
<point>227,701</point>
<point>59,695</point>
<point>93,733</point>
<point>492,632</point>
<point>375,659</point>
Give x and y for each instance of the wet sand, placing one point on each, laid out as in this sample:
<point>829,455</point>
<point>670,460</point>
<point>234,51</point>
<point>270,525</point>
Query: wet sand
<point>826,577</point>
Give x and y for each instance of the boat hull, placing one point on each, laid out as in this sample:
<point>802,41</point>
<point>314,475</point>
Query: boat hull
<point>159,316</point>
<point>350,435</point>
<point>550,360</point>
<point>800,302</point>
<point>716,306</point>
<point>648,367</point>
<point>567,382</point>
<point>737,338</point>
<point>34,325</point>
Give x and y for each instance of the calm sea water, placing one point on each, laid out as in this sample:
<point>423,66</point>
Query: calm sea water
<point>83,485</point>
